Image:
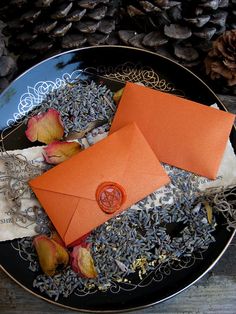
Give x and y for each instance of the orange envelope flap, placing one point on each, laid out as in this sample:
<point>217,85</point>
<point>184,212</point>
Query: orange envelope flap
<point>181,132</point>
<point>68,191</point>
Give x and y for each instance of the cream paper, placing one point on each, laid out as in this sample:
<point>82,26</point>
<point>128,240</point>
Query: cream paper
<point>8,229</point>
<point>227,173</point>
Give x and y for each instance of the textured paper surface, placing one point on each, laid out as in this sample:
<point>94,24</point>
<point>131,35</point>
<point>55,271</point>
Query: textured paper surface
<point>70,188</point>
<point>10,230</point>
<point>181,132</point>
<point>226,175</point>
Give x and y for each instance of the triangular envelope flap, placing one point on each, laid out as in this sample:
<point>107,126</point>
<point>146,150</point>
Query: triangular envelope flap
<point>146,162</point>
<point>81,222</point>
<point>81,174</point>
<point>60,208</point>
<point>144,167</point>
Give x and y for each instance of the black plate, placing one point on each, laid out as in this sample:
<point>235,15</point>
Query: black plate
<point>119,64</point>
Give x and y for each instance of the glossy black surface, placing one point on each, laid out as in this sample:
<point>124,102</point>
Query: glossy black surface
<point>55,67</point>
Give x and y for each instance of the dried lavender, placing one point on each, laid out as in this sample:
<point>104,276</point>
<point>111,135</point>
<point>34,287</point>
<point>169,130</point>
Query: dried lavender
<point>62,284</point>
<point>146,234</point>
<point>79,104</point>
<point>129,246</point>
<point>136,241</point>
<point>43,224</point>
<point>183,187</point>
<point>26,251</point>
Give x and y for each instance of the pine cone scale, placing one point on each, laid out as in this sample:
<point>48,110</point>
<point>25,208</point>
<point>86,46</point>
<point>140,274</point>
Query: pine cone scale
<point>47,26</point>
<point>192,22</point>
<point>183,29</point>
<point>76,15</point>
<point>62,12</point>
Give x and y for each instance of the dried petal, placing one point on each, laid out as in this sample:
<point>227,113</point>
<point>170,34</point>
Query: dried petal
<point>82,262</point>
<point>58,152</point>
<point>51,254</point>
<point>121,265</point>
<point>56,237</point>
<point>117,96</point>
<point>209,212</point>
<point>45,127</point>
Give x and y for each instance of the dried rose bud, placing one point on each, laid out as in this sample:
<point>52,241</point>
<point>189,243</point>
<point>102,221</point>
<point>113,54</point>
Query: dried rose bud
<point>51,254</point>
<point>45,127</point>
<point>82,262</point>
<point>58,152</point>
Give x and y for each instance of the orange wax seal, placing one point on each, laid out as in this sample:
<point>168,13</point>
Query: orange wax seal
<point>110,196</point>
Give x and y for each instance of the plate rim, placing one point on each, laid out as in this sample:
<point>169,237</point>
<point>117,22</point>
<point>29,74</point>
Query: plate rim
<point>114,46</point>
<point>211,265</point>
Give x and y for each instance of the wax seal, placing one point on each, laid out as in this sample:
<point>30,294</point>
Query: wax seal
<point>110,196</point>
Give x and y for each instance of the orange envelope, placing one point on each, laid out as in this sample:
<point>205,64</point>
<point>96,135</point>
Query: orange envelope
<point>69,191</point>
<point>181,132</point>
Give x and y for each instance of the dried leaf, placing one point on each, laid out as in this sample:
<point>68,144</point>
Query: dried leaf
<point>81,133</point>
<point>50,254</point>
<point>58,152</point>
<point>117,96</point>
<point>209,212</point>
<point>45,127</point>
<point>121,265</point>
<point>82,262</point>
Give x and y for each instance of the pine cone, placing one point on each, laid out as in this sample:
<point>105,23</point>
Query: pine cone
<point>38,29</point>
<point>231,21</point>
<point>183,28</point>
<point>221,59</point>
<point>7,63</point>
